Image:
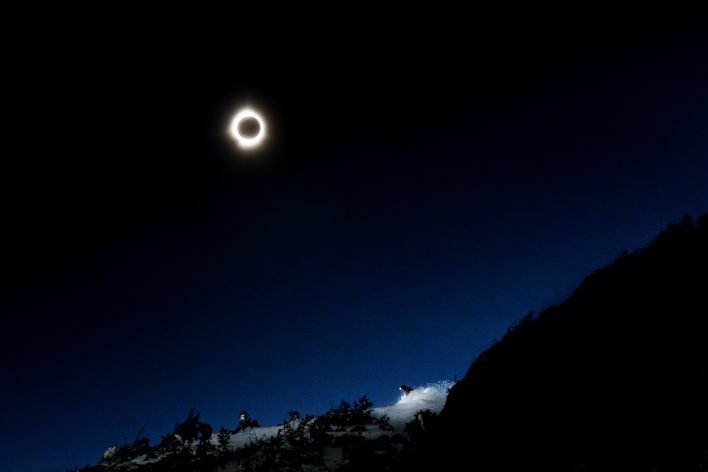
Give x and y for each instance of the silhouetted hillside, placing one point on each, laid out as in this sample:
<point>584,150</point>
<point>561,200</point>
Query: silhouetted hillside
<point>614,378</point>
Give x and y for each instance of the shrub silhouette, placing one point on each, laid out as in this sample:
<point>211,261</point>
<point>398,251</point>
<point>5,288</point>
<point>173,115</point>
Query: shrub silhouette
<point>384,423</point>
<point>424,422</point>
<point>189,441</point>
<point>223,438</point>
<point>192,428</point>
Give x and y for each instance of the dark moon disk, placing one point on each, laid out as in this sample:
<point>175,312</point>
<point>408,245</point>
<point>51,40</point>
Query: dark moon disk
<point>249,127</point>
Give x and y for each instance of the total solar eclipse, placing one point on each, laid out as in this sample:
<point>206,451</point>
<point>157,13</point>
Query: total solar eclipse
<point>248,128</point>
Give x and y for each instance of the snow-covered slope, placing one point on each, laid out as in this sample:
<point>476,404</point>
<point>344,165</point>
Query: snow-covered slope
<point>322,443</point>
<point>427,397</point>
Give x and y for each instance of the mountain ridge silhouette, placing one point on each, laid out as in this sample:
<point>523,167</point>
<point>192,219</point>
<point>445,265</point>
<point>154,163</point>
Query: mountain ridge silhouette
<point>614,378</point>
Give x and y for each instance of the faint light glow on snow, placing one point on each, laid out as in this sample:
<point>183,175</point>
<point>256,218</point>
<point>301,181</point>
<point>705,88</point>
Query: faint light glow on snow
<point>431,397</point>
<point>110,452</point>
<point>426,397</point>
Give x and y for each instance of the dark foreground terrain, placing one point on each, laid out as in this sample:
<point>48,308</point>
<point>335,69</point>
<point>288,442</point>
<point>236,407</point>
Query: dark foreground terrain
<point>614,378</point>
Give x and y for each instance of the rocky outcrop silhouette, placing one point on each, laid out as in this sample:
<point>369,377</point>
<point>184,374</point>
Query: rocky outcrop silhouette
<point>614,378</point>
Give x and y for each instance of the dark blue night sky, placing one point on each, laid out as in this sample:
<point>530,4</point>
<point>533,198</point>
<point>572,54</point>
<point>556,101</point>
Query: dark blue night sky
<point>397,222</point>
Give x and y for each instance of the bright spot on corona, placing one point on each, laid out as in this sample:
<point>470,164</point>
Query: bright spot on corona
<point>247,128</point>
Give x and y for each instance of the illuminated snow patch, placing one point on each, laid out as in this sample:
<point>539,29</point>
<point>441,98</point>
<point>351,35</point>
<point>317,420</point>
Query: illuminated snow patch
<point>427,397</point>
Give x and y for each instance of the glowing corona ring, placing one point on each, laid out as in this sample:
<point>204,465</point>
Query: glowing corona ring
<point>244,141</point>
